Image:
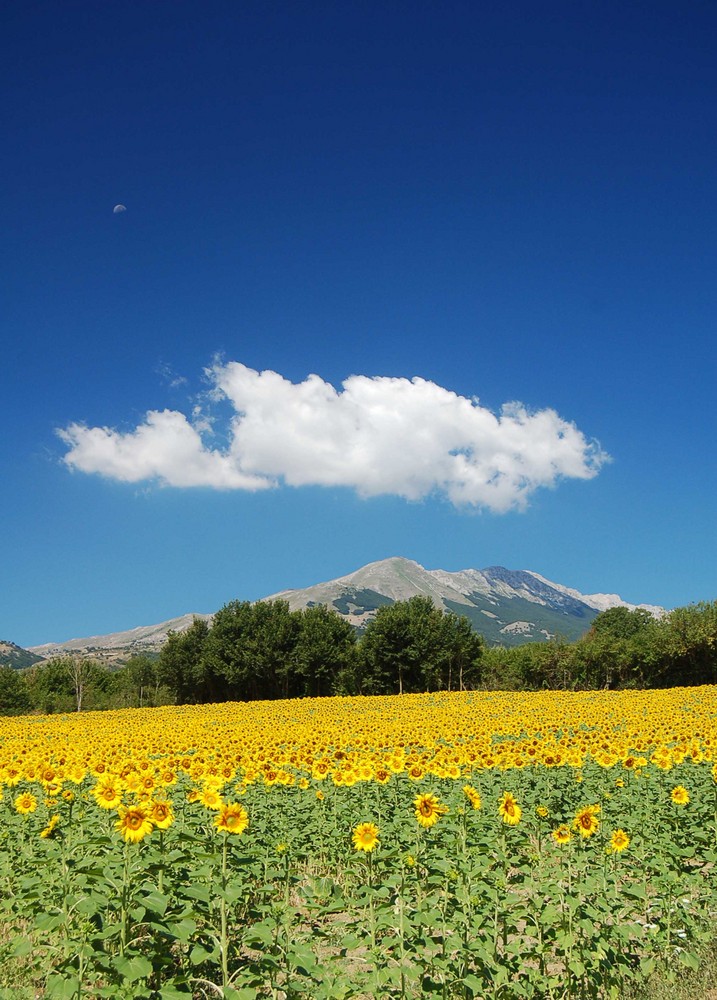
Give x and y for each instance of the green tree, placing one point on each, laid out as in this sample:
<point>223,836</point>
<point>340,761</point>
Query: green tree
<point>14,693</point>
<point>248,653</point>
<point>50,687</point>
<point>414,646</point>
<point>141,680</point>
<point>180,665</point>
<point>690,641</point>
<point>323,653</point>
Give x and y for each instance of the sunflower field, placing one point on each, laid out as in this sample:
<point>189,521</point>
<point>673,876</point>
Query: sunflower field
<point>455,845</point>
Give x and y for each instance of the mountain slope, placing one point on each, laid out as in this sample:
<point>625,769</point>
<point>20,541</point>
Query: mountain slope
<point>143,639</point>
<point>16,657</point>
<point>506,606</point>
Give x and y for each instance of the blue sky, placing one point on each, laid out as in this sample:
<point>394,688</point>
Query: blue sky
<point>459,205</point>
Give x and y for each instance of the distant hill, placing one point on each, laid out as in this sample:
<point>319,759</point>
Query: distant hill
<point>16,657</point>
<point>508,607</point>
<point>118,646</point>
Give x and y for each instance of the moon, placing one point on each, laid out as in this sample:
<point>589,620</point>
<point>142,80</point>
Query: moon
<point>119,208</point>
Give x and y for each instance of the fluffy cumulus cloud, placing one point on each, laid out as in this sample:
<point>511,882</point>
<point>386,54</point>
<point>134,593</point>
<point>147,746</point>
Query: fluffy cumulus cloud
<point>376,435</point>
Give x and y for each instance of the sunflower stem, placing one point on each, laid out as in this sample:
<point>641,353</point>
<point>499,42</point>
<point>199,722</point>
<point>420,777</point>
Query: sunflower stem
<point>224,943</point>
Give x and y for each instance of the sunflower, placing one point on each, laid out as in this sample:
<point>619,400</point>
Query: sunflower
<point>161,814</point>
<point>210,798</point>
<point>541,811</point>
<point>428,809</point>
<point>619,841</point>
<point>472,795</point>
<point>562,835</point>
<point>365,837</point>
<point>134,824</point>
<point>25,803</point>
<point>108,792</point>
<point>586,822</point>
<point>47,832</point>
<point>680,796</point>
<point>509,810</point>
<point>231,818</point>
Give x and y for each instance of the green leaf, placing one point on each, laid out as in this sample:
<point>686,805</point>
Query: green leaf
<point>155,902</point>
<point>200,954</point>
<point>647,966</point>
<point>474,985</point>
<point>170,992</point>
<point>62,987</point>
<point>49,921</point>
<point>182,929</point>
<point>134,968</point>
<point>22,947</point>
<point>689,959</point>
<point>200,892</point>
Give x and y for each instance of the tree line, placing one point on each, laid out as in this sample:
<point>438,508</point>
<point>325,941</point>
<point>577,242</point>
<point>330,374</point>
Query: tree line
<point>266,651</point>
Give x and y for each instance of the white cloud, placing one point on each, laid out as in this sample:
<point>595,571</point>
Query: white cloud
<point>377,435</point>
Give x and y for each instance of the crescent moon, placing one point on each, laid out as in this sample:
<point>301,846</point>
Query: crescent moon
<point>119,208</point>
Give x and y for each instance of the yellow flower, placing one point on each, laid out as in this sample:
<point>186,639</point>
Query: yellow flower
<point>509,810</point>
<point>319,795</point>
<point>211,798</point>
<point>161,814</point>
<point>232,818</point>
<point>365,837</point>
<point>428,809</point>
<point>108,792</point>
<point>619,841</point>
<point>562,835</point>
<point>541,811</point>
<point>586,822</point>
<point>680,795</point>
<point>472,795</point>
<point>134,824</point>
<point>47,832</point>
<point>25,803</point>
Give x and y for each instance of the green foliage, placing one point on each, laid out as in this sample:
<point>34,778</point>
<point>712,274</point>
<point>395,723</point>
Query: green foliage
<point>14,694</point>
<point>413,646</point>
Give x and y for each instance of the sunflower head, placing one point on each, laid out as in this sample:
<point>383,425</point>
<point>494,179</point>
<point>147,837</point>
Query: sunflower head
<point>509,810</point>
<point>161,814</point>
<point>232,817</point>
<point>134,824</point>
<point>472,795</point>
<point>365,837</point>
<point>25,803</point>
<point>619,841</point>
<point>680,796</point>
<point>586,821</point>
<point>428,809</point>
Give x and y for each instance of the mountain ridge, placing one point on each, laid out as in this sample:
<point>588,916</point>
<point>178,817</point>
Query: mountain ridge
<point>506,606</point>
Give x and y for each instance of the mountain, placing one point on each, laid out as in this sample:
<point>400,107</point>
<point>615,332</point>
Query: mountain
<point>506,606</point>
<point>16,657</point>
<point>119,646</point>
<point>509,607</point>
